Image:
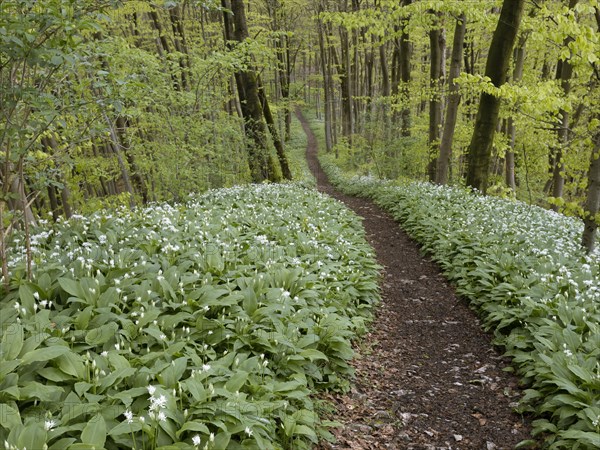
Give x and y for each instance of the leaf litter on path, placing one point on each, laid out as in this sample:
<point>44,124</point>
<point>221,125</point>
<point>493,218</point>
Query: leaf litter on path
<point>427,376</point>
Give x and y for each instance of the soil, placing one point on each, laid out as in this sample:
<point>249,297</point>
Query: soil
<point>427,376</point>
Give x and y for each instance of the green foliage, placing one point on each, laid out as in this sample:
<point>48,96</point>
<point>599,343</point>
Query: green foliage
<point>209,323</point>
<point>522,269</point>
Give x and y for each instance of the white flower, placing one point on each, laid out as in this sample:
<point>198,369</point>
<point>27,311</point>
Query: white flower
<point>104,353</point>
<point>205,367</point>
<point>158,403</point>
<point>49,424</point>
<point>162,417</point>
<point>129,416</point>
<point>248,431</point>
<point>151,389</point>
<point>196,440</point>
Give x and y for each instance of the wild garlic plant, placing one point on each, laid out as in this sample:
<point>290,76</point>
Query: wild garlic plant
<point>523,269</point>
<point>207,324</point>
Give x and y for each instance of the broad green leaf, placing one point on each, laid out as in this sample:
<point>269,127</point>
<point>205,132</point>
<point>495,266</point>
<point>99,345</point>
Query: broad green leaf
<point>33,436</point>
<point>9,416</point>
<point>62,444</point>
<point>45,354</point>
<point>235,383</point>
<point>72,364</point>
<point>83,446</point>
<point>194,426</point>
<point>222,439</point>
<point>94,432</point>
<point>196,388</point>
<point>12,342</point>
<point>313,355</point>
<point>26,297</point>
<point>71,287</point>
<point>125,428</point>
<point>101,335</point>
<point>172,374</point>
<point>46,393</point>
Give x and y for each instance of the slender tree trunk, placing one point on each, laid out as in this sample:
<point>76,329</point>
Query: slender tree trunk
<point>443,165</point>
<point>405,76</point>
<point>162,45</point>
<point>176,16</point>
<point>136,175</point>
<point>592,205</point>
<point>511,131</point>
<point>115,146</point>
<point>345,72</point>
<point>501,47</point>
<point>437,43</point>
<point>327,86</point>
<point>385,89</point>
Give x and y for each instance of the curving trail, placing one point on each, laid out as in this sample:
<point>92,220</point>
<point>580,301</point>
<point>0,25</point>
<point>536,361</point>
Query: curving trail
<point>427,376</point>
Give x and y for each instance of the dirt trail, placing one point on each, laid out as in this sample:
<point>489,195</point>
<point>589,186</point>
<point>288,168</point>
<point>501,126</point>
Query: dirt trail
<point>427,376</point>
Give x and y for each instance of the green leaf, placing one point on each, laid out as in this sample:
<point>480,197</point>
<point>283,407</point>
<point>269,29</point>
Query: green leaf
<point>222,439</point>
<point>71,287</point>
<point>26,298</point>
<point>45,354</point>
<point>94,432</point>
<point>12,342</point>
<point>581,372</point>
<point>125,428</point>
<point>194,426</point>
<point>72,364</point>
<point>62,444</point>
<point>172,374</point>
<point>584,437</point>
<point>46,393</point>
<point>33,436</point>
<point>101,335</point>
<point>81,446</point>
<point>196,388</point>
<point>313,355</point>
<point>9,416</point>
<point>235,383</point>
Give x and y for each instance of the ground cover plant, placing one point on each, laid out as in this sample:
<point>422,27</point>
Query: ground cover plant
<point>522,268</point>
<point>202,325</point>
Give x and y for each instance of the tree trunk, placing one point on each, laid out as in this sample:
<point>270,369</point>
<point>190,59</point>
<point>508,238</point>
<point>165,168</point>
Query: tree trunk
<point>501,47</point>
<point>283,161</point>
<point>385,90</point>
<point>511,130</point>
<point>175,14</point>
<point>259,160</point>
<point>327,86</point>
<point>345,72</point>
<point>136,175</point>
<point>405,57</point>
<point>443,165</point>
<point>437,44</point>
<point>592,204</point>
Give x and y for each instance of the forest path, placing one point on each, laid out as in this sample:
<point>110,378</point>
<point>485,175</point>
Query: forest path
<point>427,376</point>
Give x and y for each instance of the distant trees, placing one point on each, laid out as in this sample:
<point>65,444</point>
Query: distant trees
<point>124,103</point>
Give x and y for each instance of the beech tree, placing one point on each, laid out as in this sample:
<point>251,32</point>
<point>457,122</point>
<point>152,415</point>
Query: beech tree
<point>501,47</point>
<point>443,162</point>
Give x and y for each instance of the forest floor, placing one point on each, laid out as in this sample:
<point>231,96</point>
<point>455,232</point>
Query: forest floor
<point>427,376</point>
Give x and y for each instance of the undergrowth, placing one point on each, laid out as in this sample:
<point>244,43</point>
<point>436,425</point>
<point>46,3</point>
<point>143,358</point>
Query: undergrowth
<point>522,269</point>
<point>203,325</point>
